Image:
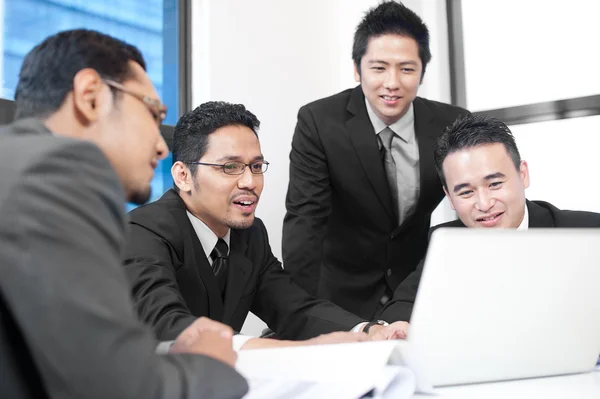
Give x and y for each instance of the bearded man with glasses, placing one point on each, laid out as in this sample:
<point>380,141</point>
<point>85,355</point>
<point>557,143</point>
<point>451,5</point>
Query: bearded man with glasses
<point>199,250</point>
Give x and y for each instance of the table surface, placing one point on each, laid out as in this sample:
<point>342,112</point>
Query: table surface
<point>581,386</point>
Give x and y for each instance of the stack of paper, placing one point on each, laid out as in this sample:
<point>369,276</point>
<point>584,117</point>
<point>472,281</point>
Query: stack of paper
<point>330,371</point>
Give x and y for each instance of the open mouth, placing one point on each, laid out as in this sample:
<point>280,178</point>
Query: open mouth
<point>490,220</point>
<point>246,204</point>
<point>391,99</point>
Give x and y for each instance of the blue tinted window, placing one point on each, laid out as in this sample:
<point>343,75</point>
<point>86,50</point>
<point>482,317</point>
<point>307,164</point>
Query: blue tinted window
<point>150,25</point>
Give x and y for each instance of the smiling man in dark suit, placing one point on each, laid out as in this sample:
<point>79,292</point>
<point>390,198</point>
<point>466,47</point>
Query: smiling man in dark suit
<point>362,181</point>
<point>199,250</point>
<point>485,179</point>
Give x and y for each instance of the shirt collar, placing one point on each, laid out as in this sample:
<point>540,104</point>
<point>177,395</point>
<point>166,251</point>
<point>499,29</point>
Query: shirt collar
<point>403,127</point>
<point>525,223</point>
<point>207,237</point>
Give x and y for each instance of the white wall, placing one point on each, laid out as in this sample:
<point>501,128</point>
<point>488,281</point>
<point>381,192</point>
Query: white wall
<point>275,56</point>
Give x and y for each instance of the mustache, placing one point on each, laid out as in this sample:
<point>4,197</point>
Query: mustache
<point>250,193</point>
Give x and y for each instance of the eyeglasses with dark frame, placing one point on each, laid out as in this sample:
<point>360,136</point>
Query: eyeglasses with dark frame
<point>237,168</point>
<point>156,108</point>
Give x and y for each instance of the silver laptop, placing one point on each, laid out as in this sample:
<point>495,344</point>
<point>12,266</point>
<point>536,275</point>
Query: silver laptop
<point>505,304</point>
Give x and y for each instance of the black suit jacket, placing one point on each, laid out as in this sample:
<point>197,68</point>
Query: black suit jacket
<point>341,240</point>
<point>173,282</point>
<point>541,215</point>
<point>68,328</point>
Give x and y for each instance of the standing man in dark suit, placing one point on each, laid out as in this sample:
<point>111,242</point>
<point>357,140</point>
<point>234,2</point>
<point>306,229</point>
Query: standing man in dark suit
<point>87,138</point>
<point>199,250</point>
<point>485,179</point>
<point>362,181</point>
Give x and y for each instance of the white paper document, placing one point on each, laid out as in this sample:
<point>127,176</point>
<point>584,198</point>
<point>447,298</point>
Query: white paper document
<point>341,371</point>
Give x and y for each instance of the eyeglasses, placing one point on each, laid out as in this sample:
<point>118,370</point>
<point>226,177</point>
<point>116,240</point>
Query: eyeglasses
<point>156,108</point>
<point>238,168</point>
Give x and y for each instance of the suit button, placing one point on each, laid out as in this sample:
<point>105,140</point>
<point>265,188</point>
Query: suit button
<point>392,237</point>
<point>384,299</point>
<point>388,272</point>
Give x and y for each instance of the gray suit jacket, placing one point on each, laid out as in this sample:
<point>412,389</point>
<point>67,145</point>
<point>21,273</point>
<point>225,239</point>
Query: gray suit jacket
<point>67,324</point>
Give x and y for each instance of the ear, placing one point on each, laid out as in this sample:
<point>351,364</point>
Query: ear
<point>356,73</point>
<point>449,198</point>
<point>89,95</point>
<point>524,173</point>
<point>182,176</point>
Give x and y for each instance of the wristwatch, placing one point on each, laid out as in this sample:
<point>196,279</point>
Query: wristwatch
<point>374,323</point>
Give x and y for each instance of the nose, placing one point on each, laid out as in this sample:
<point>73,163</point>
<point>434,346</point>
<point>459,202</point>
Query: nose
<point>392,79</point>
<point>247,180</point>
<point>484,201</point>
<point>162,149</point>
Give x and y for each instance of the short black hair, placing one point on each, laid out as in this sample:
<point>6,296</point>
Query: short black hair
<point>190,138</point>
<point>472,131</point>
<point>47,73</point>
<point>391,17</point>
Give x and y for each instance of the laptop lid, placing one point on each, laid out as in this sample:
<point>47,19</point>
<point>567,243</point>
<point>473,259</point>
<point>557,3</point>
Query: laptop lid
<point>506,304</point>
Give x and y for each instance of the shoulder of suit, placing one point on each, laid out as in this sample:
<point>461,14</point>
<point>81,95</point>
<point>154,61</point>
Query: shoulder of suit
<point>453,223</point>
<point>32,146</point>
<point>159,212</point>
<point>570,218</point>
<point>438,107</point>
<point>327,104</point>
<point>24,151</point>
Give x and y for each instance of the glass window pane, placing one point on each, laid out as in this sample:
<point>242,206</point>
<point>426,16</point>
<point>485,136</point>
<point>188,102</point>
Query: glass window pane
<point>150,25</point>
<point>522,52</point>
<point>563,161</point>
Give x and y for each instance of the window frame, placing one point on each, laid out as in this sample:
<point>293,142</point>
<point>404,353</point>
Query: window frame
<point>184,72</point>
<point>575,107</point>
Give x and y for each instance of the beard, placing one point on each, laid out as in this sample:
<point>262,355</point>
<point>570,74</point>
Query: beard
<point>240,224</point>
<point>140,196</point>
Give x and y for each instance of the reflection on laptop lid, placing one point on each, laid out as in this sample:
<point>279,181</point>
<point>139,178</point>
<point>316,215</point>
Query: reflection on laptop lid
<point>506,304</point>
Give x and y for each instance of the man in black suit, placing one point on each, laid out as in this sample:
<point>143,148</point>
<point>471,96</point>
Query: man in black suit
<point>199,250</point>
<point>362,182</point>
<point>485,179</point>
<point>87,138</point>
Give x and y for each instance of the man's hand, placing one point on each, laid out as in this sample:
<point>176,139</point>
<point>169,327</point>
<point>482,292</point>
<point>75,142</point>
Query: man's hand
<point>207,337</point>
<point>397,330</point>
<point>339,337</point>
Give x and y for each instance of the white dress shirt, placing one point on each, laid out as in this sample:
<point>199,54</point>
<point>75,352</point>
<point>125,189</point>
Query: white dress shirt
<point>525,222</point>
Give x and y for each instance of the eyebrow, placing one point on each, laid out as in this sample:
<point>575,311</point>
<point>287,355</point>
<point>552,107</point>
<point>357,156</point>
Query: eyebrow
<point>378,62</point>
<point>495,176</point>
<point>459,187</point>
<point>403,63</point>
<point>235,158</point>
<point>492,176</point>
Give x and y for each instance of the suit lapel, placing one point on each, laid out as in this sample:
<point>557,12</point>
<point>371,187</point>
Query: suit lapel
<point>539,217</point>
<point>238,274</point>
<point>363,139</point>
<point>200,263</point>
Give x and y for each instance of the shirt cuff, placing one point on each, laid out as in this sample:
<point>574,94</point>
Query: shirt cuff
<point>239,340</point>
<point>163,347</point>
<point>359,326</point>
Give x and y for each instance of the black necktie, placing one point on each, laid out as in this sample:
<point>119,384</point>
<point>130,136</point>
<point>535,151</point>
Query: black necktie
<point>220,264</point>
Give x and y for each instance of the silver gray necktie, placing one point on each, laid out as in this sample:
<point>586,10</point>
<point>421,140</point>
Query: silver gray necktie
<point>386,136</point>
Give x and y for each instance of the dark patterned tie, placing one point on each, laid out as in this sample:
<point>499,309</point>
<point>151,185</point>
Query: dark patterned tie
<point>220,264</point>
